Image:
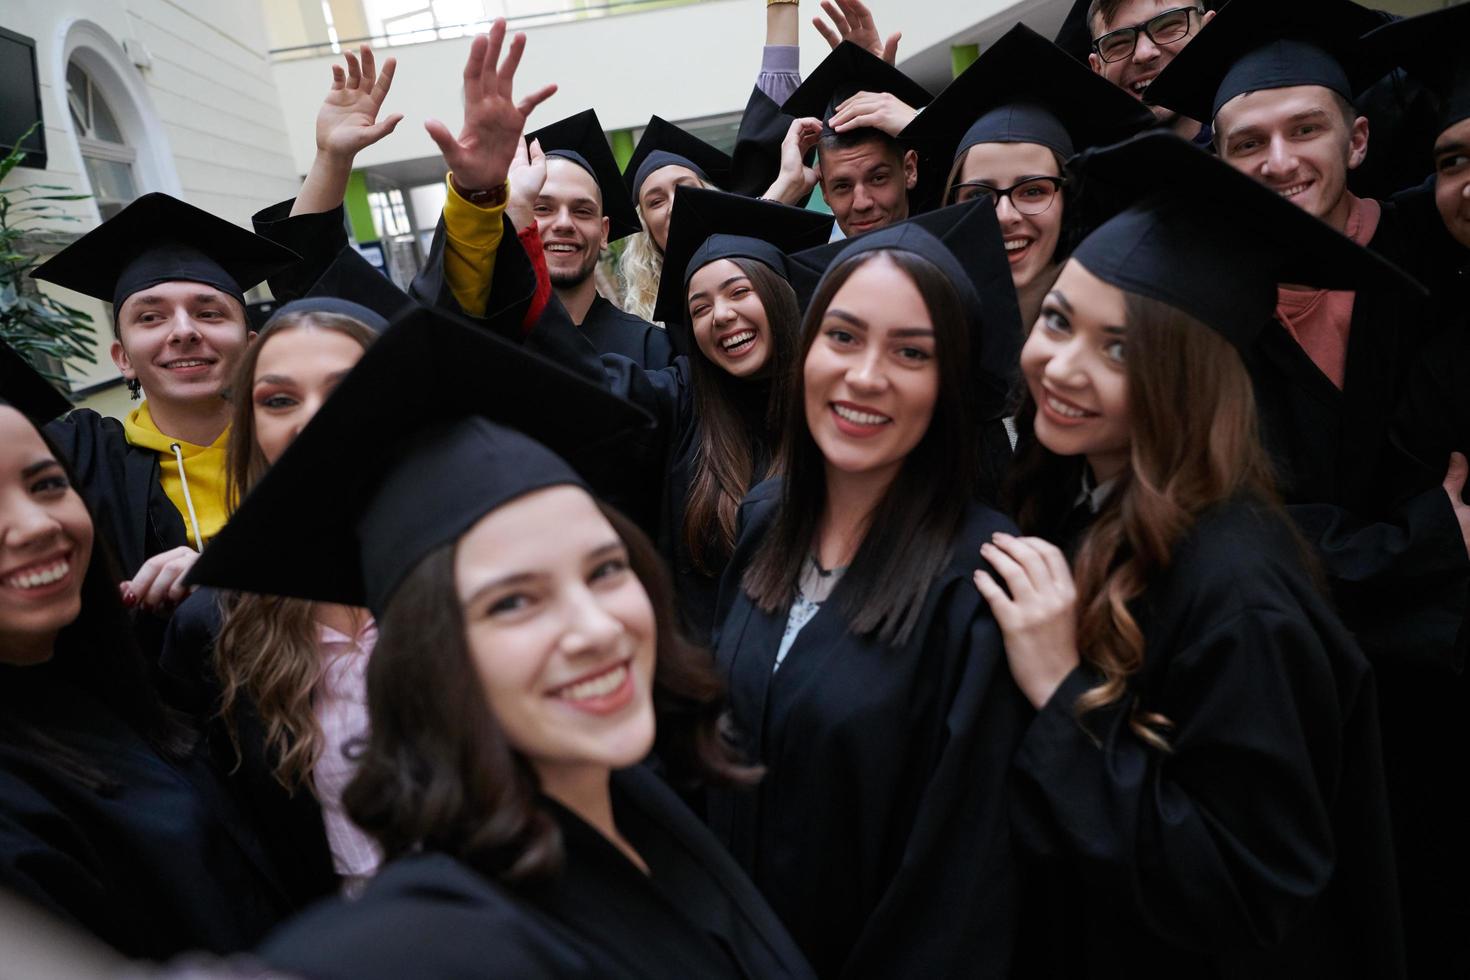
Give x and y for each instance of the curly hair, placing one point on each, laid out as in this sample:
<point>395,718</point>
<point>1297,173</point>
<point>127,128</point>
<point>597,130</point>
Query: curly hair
<point>1195,442</point>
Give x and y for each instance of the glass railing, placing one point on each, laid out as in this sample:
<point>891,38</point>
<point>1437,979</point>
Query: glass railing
<point>392,23</point>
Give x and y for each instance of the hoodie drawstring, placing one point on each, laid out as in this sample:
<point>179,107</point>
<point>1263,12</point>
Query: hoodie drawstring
<point>188,500</point>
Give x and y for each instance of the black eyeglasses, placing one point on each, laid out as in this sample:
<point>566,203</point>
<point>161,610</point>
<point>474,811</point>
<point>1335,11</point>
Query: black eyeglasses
<point>1030,196</point>
<point>1165,28</point>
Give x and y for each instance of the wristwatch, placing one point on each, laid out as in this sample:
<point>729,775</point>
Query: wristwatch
<point>492,197</point>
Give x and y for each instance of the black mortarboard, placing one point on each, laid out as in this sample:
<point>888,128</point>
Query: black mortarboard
<point>965,242</point>
<point>1075,34</point>
<point>424,462</point>
<point>158,239</point>
<point>1205,239</point>
<point>332,304</point>
<point>665,145</point>
<point>1433,48</point>
<point>844,73</point>
<point>353,279</point>
<point>23,388</point>
<point>1255,45</point>
<point>709,225</point>
<point>581,139</point>
<point>1024,89</point>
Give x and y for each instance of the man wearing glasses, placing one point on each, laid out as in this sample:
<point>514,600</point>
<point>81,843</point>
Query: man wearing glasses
<point>1133,40</point>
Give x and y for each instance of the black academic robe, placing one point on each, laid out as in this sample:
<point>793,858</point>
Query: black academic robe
<point>1394,559</point>
<point>122,485</point>
<point>289,824</point>
<point>879,832</point>
<point>1258,846</point>
<point>1425,708</point>
<point>155,864</point>
<point>429,915</point>
<point>612,331</point>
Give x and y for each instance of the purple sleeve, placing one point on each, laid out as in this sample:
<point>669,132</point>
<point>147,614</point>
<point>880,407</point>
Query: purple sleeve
<point>780,72</point>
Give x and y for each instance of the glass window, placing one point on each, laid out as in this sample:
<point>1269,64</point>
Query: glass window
<point>105,153</point>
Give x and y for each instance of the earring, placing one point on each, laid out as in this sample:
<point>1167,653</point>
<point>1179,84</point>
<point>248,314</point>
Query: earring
<point>136,387</point>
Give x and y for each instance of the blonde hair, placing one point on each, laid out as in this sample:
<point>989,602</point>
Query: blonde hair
<point>641,266</point>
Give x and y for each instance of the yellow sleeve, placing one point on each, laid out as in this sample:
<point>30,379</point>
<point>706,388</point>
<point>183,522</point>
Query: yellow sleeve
<point>471,239</point>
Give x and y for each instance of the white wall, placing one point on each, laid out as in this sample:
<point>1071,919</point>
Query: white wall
<point>681,63</point>
<point>207,121</point>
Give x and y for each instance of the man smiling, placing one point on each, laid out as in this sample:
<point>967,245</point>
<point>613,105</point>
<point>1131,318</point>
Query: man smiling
<point>569,186</point>
<point>176,277</point>
<point>1134,40</point>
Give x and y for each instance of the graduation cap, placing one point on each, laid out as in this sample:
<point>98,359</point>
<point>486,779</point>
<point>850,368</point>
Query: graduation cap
<point>23,388</point>
<point>1255,45</point>
<point>581,140</point>
<point>965,242</point>
<point>158,239</point>
<point>1432,48</point>
<point>1024,89</point>
<point>1205,239</point>
<point>845,72</point>
<point>710,225</point>
<point>353,286</point>
<point>665,145</point>
<point>424,464</point>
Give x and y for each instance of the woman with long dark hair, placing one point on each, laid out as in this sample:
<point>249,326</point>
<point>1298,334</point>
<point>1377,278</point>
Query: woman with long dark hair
<point>1202,789</point>
<point>527,665</point>
<point>718,408</point>
<point>865,674</point>
<point>1010,122</point>
<point>108,817</point>
<point>277,682</point>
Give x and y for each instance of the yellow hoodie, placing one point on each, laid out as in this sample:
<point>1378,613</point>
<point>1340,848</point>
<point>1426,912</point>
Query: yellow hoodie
<point>202,483</point>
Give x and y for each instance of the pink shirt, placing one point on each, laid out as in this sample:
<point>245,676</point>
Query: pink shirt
<point>1320,319</point>
<point>340,705</point>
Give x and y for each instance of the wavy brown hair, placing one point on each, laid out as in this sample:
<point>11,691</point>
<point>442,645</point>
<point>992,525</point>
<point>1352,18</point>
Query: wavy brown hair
<point>725,467</point>
<point>438,772</point>
<point>1195,443</point>
<point>266,650</point>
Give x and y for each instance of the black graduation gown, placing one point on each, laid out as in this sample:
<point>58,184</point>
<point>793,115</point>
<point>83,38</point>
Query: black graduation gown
<point>155,865</point>
<point>1395,561</point>
<point>122,485</point>
<point>612,331</point>
<point>879,832</point>
<point>1259,846</point>
<point>431,916</point>
<point>289,824</point>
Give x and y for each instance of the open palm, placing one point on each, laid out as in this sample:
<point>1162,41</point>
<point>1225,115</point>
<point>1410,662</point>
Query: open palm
<point>481,155</point>
<point>348,119</point>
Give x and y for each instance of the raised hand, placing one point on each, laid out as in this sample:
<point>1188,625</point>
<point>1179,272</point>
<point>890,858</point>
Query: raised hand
<point>854,22</point>
<point>1038,619</point>
<point>527,176</point>
<point>481,155</point>
<point>348,119</point>
<point>879,110</point>
<point>796,179</point>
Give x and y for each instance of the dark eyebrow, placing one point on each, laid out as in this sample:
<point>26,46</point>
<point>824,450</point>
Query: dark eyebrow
<point>150,299</point>
<point>1454,146</point>
<point>912,332</point>
<point>519,578</point>
<point>286,379</point>
<point>1057,297</point>
<point>720,288</point>
<point>574,202</point>
<point>851,318</point>
<point>39,466</point>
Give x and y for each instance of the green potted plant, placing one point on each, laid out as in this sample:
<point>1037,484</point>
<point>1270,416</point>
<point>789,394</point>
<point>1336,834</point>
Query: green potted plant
<point>44,330</point>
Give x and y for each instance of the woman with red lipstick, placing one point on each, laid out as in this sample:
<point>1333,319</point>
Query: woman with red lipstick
<point>527,664</point>
<point>866,675</point>
<point>108,818</point>
<point>1201,792</point>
